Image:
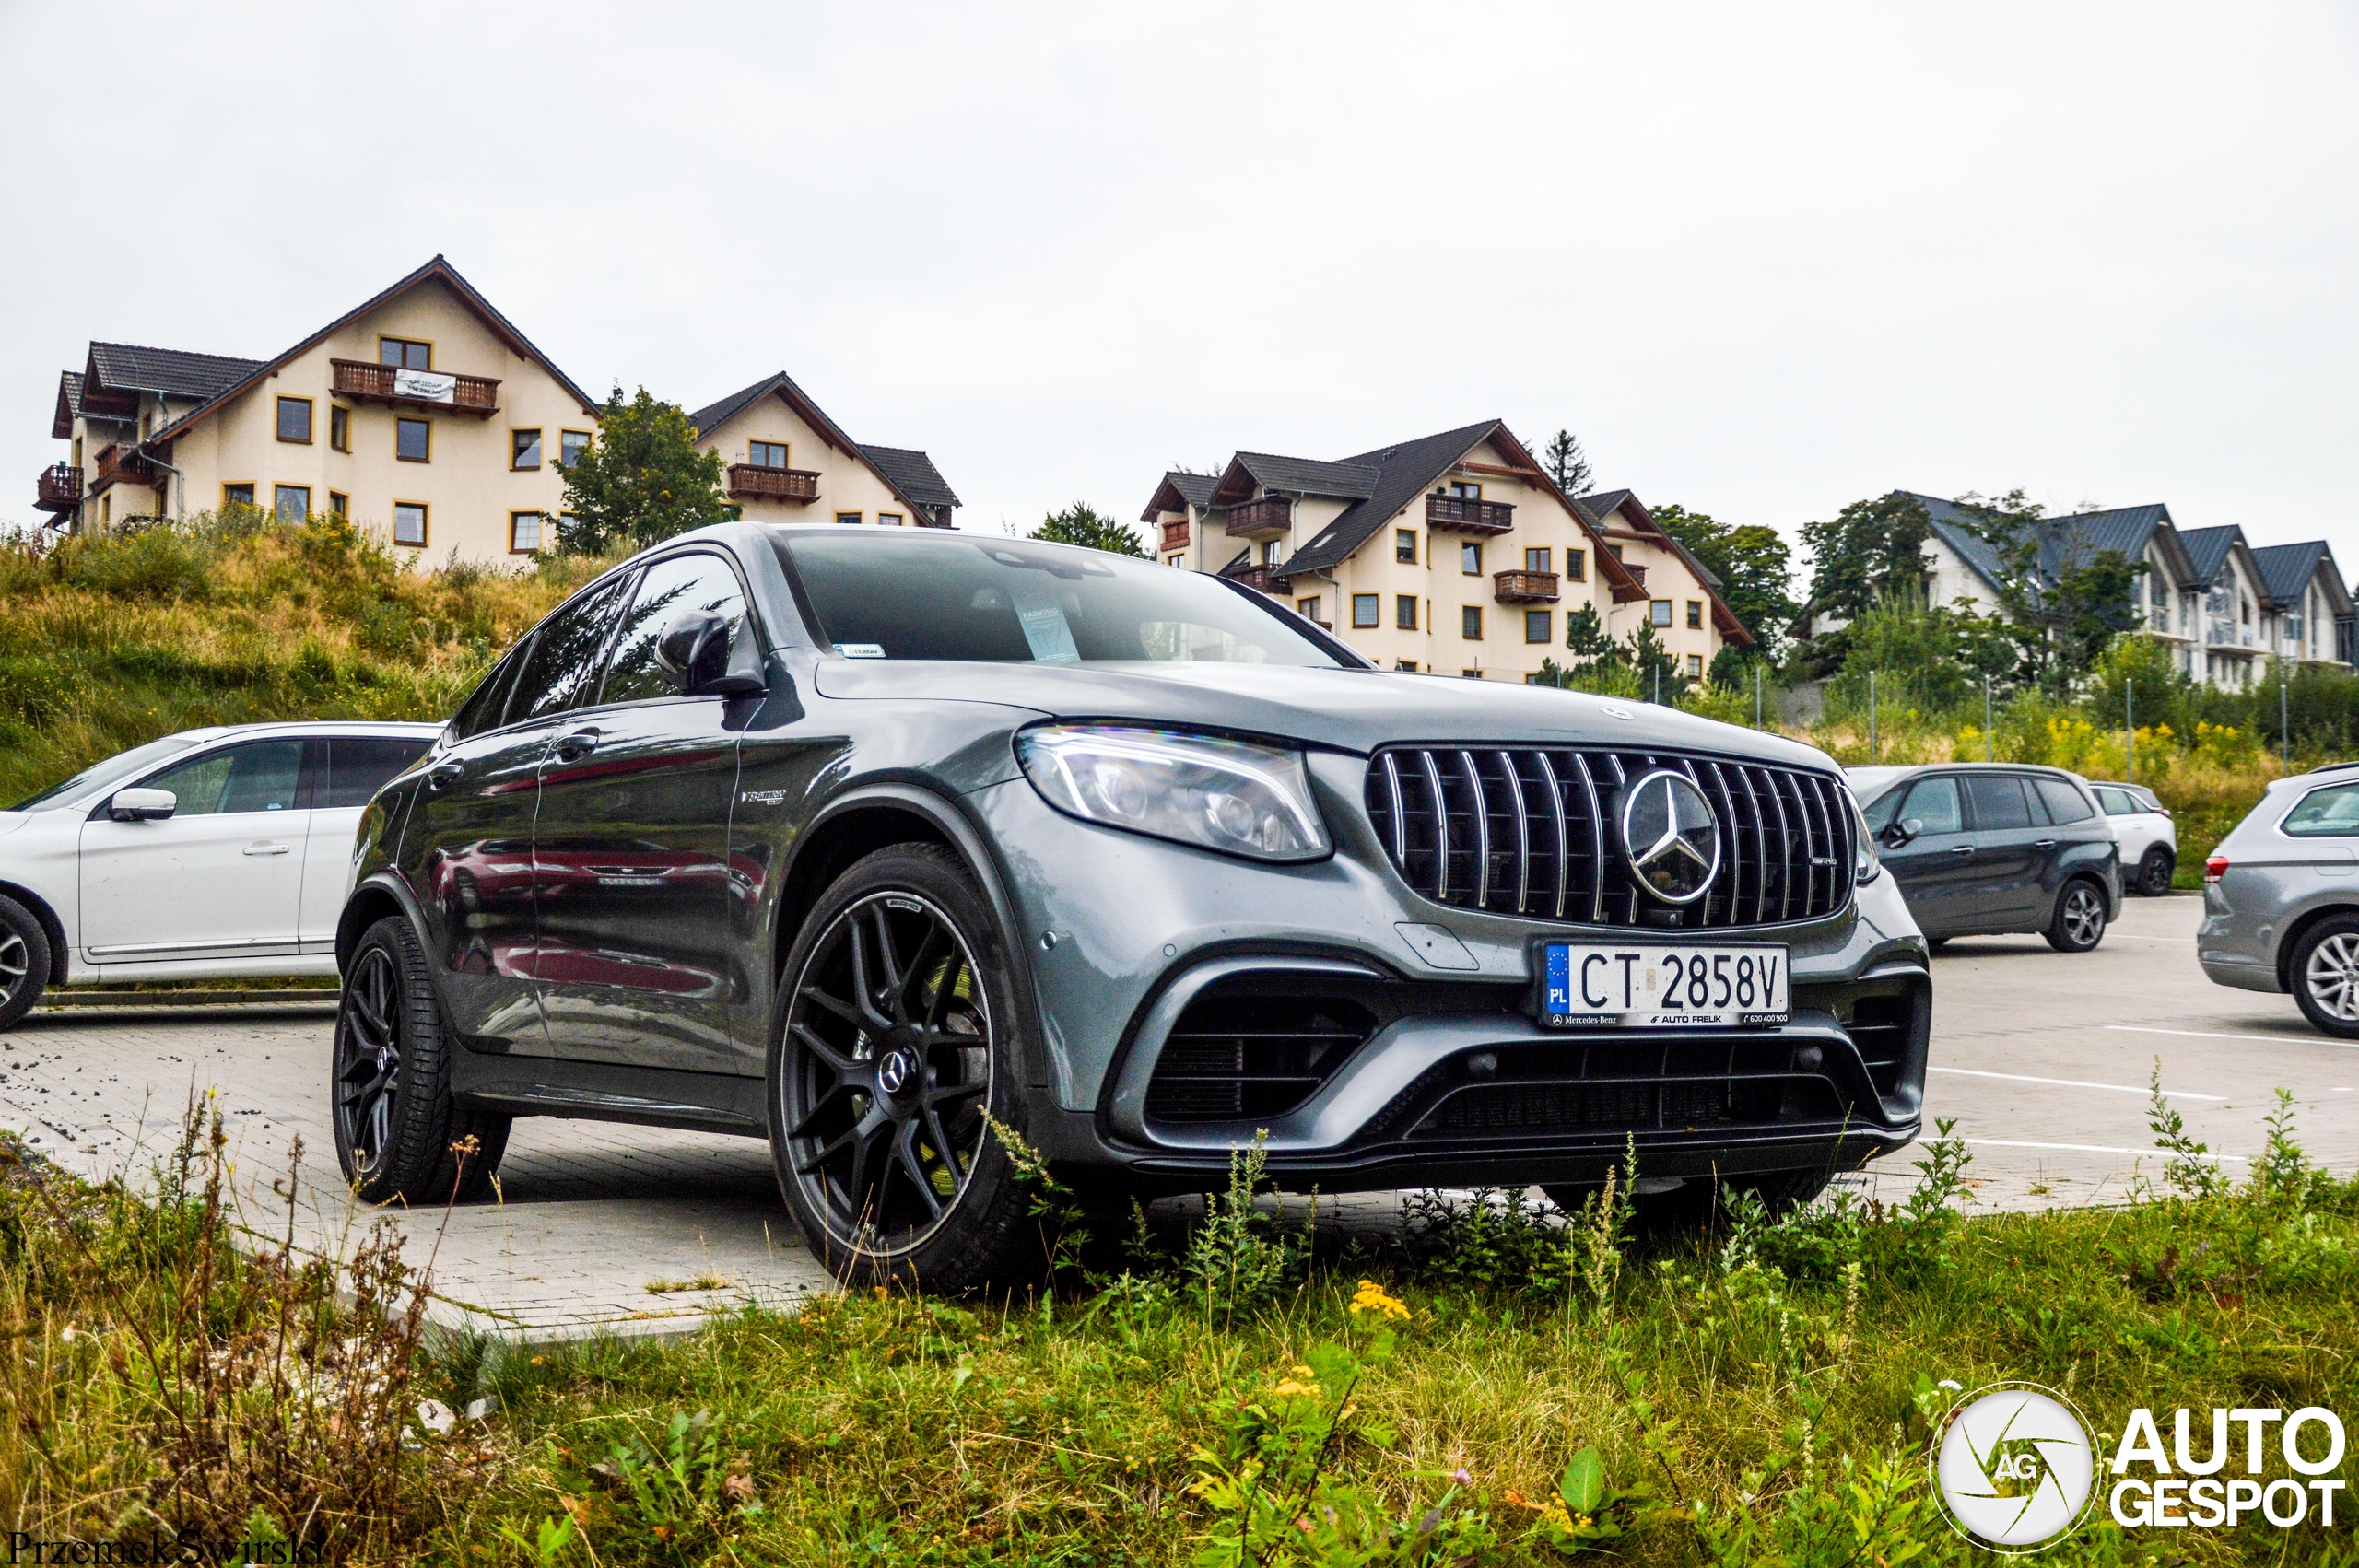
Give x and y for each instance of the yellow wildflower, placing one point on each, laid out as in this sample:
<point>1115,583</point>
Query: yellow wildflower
<point>1299,1370</point>
<point>1371,1298</point>
<point>1290,1389</point>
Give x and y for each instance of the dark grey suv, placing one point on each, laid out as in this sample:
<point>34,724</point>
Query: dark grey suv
<point>844,838</point>
<point>1981,847</point>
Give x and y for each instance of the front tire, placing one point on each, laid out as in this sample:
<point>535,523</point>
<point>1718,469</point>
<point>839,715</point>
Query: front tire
<point>2155,872</point>
<point>2078,924</point>
<point>895,1033</point>
<point>2326,976</point>
<point>398,1132</point>
<point>24,961</point>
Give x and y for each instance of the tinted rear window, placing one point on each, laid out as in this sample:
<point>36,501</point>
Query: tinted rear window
<point>2064,802</point>
<point>1999,801</point>
<point>880,595</point>
<point>2325,813</point>
<point>359,765</point>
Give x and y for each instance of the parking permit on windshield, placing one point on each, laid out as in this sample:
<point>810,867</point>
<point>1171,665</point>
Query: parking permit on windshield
<point>1663,985</point>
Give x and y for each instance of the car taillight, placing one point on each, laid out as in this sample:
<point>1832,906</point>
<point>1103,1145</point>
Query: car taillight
<point>2215,868</point>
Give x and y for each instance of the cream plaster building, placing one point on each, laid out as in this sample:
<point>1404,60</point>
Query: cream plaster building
<point>423,415</point>
<point>787,462</point>
<point>1453,553</point>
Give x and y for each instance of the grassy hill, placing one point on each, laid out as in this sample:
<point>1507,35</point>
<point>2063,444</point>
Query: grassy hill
<point>109,640</point>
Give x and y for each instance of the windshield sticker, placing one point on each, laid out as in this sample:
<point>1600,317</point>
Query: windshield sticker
<point>1050,637</point>
<point>860,650</point>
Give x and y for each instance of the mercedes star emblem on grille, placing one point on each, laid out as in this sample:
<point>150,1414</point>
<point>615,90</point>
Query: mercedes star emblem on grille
<point>1671,836</point>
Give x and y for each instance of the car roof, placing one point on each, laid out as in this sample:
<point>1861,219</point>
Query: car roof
<point>426,729</point>
<point>1916,767</point>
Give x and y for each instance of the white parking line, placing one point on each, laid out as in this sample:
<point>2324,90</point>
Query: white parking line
<point>2207,1035</point>
<point>2076,1083</point>
<point>2095,1149</point>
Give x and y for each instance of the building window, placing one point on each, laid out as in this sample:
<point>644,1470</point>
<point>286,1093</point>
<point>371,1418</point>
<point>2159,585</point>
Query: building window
<point>237,495</point>
<point>1406,666</point>
<point>524,532</point>
<point>1466,490</point>
<point>1470,674</point>
<point>291,503</point>
<point>1694,615</point>
<point>889,520</point>
<point>1617,551</point>
<point>1177,561</point>
<point>1405,545</point>
<point>1537,626</point>
<point>848,516</point>
<point>1695,666</point>
<point>1364,610</point>
<point>408,353</point>
<point>565,523</point>
<point>106,510</point>
<point>1659,611</point>
<point>1536,560</point>
<point>1576,565</point>
<point>1469,622</point>
<point>340,428</point>
<point>409,523</point>
<point>77,451</point>
<point>1272,552</point>
<point>339,504</point>
<point>1404,612</point>
<point>1308,608</point>
<point>570,445</point>
<point>294,419</point>
<point>766,454</point>
<point>414,440</point>
<point>524,449</point>
<point>1469,559</point>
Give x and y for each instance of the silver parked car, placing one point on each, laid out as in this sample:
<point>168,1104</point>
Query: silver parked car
<point>2281,898</point>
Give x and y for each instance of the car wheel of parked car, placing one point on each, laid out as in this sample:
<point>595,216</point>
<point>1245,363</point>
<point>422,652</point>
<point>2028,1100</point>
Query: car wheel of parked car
<point>24,961</point>
<point>398,1132</point>
<point>893,1053</point>
<point>2326,976</point>
<point>2155,872</point>
<point>2079,921</point>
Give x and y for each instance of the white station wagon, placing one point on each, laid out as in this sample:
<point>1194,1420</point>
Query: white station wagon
<point>210,853</point>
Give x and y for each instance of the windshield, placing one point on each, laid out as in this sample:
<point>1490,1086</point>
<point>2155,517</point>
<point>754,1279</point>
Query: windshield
<point>121,765</point>
<point>1003,601</point>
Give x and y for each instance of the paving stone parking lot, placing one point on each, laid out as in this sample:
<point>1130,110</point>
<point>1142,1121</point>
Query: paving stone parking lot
<point>2042,1057</point>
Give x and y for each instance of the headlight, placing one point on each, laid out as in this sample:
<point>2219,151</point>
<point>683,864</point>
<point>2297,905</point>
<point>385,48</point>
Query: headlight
<point>1226,795</point>
<point>1865,865</point>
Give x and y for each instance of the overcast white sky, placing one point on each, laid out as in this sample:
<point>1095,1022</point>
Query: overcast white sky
<point>1764,259</point>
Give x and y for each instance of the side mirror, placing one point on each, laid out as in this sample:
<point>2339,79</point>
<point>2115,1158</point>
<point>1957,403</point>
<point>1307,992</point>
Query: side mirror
<point>698,652</point>
<point>142,805</point>
<point>1900,833</point>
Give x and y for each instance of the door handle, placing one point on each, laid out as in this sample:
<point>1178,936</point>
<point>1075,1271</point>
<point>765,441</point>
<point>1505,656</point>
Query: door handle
<point>580,743</point>
<point>1963,849</point>
<point>260,849</point>
<point>2044,844</point>
<point>443,774</point>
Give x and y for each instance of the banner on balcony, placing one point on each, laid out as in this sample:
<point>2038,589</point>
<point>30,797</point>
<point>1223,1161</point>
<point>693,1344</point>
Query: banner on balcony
<point>428,386</point>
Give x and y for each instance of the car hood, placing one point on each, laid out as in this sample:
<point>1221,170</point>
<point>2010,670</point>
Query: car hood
<point>1355,710</point>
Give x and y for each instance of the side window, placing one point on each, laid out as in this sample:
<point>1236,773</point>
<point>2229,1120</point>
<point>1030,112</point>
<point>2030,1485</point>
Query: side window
<point>681,582</point>
<point>1883,810</point>
<point>483,710</point>
<point>561,670</point>
<point>2325,813</point>
<point>2064,803</point>
<point>259,776</point>
<point>2117,802</point>
<point>1934,803</point>
<point>1999,801</point>
<point>359,765</point>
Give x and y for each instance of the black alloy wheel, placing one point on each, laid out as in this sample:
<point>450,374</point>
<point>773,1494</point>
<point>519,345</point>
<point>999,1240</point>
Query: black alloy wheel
<point>2155,872</point>
<point>2079,922</point>
<point>398,1132</point>
<point>893,1043</point>
<point>24,961</point>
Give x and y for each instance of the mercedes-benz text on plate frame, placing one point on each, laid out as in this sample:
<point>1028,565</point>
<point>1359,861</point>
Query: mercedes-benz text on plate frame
<point>1663,985</point>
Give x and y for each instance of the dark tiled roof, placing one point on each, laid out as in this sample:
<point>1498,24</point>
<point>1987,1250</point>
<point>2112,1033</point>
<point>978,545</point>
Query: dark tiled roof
<point>2078,536</point>
<point>1178,490</point>
<point>2286,569</point>
<point>1403,472</point>
<point>913,473</point>
<point>69,387</point>
<point>2207,549</point>
<point>1600,503</point>
<point>1349,481</point>
<point>713,415</point>
<point>168,372</point>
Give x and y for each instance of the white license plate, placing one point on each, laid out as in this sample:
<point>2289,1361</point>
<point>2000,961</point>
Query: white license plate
<point>1663,985</point>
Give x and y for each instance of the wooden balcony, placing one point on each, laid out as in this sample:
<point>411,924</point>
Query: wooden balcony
<point>1175,534</point>
<point>1261,580</point>
<point>750,482</point>
<point>122,464</point>
<point>1265,519</point>
<point>59,488</point>
<point>1458,514</point>
<point>1524,588</point>
<point>478,395</point>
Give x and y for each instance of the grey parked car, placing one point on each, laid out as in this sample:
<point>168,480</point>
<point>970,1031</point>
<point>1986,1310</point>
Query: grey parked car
<point>1984,848</point>
<point>2281,898</point>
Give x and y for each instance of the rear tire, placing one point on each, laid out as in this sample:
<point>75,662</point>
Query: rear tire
<point>398,1132</point>
<point>25,958</point>
<point>2325,975</point>
<point>2154,871</point>
<point>2078,924</point>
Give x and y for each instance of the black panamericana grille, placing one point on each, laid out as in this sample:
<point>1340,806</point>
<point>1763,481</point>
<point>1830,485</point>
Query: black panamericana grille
<point>1535,831</point>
